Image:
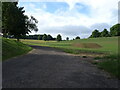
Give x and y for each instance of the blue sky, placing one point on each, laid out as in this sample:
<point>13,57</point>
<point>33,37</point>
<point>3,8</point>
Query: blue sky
<point>71,18</point>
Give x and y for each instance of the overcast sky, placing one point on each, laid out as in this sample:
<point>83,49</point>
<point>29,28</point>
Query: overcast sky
<point>70,18</point>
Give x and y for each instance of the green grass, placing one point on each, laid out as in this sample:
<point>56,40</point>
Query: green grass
<point>109,47</point>
<point>12,48</point>
<point>110,64</point>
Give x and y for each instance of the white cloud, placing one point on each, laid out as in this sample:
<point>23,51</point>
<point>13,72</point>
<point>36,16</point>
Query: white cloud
<point>103,14</point>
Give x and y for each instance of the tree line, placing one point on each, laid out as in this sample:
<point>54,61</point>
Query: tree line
<point>44,37</point>
<point>16,24</point>
<point>114,31</point>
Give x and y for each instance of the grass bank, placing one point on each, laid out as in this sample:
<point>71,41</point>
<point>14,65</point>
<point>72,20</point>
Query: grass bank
<point>12,48</point>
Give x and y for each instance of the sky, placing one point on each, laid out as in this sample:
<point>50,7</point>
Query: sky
<point>72,18</point>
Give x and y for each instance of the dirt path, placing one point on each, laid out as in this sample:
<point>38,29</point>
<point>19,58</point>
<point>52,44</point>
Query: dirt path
<point>49,68</point>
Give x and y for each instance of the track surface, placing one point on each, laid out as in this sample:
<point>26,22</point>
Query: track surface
<point>46,67</point>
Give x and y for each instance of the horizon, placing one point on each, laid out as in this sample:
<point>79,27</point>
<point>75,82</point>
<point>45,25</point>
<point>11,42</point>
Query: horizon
<point>70,18</point>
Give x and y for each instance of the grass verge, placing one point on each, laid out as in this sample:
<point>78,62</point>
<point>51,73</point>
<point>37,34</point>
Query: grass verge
<point>110,64</point>
<point>12,48</point>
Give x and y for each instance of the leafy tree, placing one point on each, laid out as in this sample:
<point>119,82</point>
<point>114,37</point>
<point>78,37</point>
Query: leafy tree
<point>105,33</point>
<point>39,37</point>
<point>67,38</point>
<point>44,37</point>
<point>49,37</point>
<point>115,30</point>
<point>95,34</point>
<point>77,37</point>
<point>59,38</point>
<point>15,22</point>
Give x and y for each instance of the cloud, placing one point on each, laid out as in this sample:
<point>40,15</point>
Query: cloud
<point>100,26</point>
<point>80,18</point>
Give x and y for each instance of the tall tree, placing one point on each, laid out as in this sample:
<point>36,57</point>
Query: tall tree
<point>105,33</point>
<point>59,37</point>
<point>77,37</point>
<point>95,34</point>
<point>49,37</point>
<point>44,37</point>
<point>67,38</point>
<point>15,22</point>
<point>115,30</point>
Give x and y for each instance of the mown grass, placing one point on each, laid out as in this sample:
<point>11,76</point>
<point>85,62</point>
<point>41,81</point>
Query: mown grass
<point>12,48</point>
<point>109,47</point>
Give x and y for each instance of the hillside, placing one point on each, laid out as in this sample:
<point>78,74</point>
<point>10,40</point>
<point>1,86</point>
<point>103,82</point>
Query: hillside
<point>12,48</point>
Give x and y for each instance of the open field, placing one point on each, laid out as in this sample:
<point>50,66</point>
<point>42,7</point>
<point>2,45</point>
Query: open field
<point>12,48</point>
<point>108,47</point>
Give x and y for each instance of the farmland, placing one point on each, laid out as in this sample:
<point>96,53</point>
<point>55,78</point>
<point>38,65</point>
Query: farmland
<point>107,45</point>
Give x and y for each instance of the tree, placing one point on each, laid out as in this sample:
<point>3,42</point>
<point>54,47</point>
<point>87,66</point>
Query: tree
<point>77,37</point>
<point>38,37</point>
<point>49,37</point>
<point>44,37</point>
<point>105,33</point>
<point>115,30</point>
<point>95,34</point>
<point>59,38</point>
<point>67,38</point>
<point>15,22</point>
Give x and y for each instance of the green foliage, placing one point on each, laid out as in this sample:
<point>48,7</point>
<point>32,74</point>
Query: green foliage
<point>39,37</point>
<point>105,33</point>
<point>15,22</point>
<point>110,65</point>
<point>67,38</point>
<point>44,37</point>
<point>77,37</point>
<point>12,48</point>
<point>95,34</point>
<point>59,38</point>
<point>115,30</point>
<point>49,37</point>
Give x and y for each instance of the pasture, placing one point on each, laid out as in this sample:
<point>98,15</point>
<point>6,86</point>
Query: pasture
<point>107,45</point>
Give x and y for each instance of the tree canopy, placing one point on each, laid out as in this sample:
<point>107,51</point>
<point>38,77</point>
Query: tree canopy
<point>67,38</point>
<point>105,33</point>
<point>44,37</point>
<point>95,33</point>
<point>15,22</point>
<point>59,38</point>
<point>115,30</point>
<point>77,37</point>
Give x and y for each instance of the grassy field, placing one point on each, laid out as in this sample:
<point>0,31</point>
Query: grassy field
<point>12,48</point>
<point>107,46</point>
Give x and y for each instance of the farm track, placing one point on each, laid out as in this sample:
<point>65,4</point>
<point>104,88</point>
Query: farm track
<point>46,67</point>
